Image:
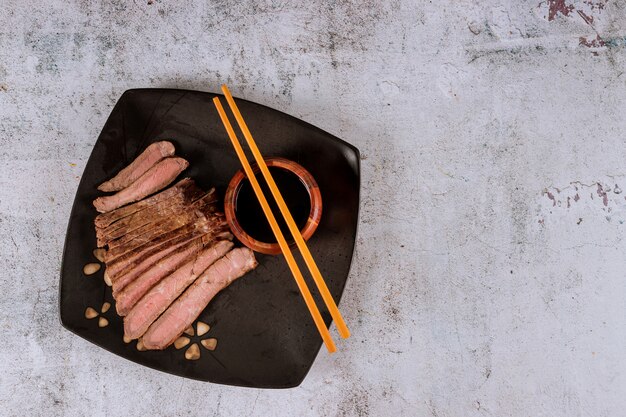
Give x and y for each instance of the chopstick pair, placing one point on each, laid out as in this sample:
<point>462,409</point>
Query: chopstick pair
<point>293,228</point>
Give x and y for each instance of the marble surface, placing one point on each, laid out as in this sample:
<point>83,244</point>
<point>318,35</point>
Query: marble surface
<point>489,276</point>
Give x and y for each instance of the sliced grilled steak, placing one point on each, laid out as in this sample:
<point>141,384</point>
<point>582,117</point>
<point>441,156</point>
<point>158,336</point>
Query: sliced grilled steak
<point>128,261</point>
<point>150,231</point>
<point>148,158</point>
<point>138,267</point>
<point>182,197</point>
<point>185,215</point>
<point>181,314</point>
<point>179,279</point>
<point>170,259</point>
<point>155,179</point>
<point>201,222</point>
<point>149,215</point>
<point>135,268</point>
<point>105,219</point>
<point>130,294</point>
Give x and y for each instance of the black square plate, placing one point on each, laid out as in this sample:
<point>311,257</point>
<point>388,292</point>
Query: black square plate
<point>266,337</point>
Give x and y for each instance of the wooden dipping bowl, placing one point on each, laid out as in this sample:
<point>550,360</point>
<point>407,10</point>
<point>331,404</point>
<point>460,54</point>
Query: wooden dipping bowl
<point>235,185</point>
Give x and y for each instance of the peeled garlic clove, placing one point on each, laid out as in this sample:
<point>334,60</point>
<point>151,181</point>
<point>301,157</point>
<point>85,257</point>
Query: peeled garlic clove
<point>99,254</point>
<point>105,307</point>
<point>202,328</point>
<point>210,344</point>
<point>107,279</point>
<point>193,353</point>
<point>189,331</point>
<point>181,342</point>
<point>91,269</point>
<point>90,313</point>
<point>102,322</point>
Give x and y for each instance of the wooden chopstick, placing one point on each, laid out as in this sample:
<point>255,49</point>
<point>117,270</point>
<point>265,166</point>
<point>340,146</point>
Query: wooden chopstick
<point>304,289</point>
<point>293,228</point>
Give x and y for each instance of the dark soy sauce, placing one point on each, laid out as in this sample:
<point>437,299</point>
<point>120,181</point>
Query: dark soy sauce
<point>250,214</point>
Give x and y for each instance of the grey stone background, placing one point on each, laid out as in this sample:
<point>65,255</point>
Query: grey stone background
<point>489,273</point>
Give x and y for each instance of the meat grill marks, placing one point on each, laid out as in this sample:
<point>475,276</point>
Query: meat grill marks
<point>148,158</point>
<point>199,222</point>
<point>182,312</point>
<point>155,179</point>
<point>105,219</point>
<point>166,221</point>
<point>181,275</point>
<point>181,235</point>
<point>173,199</point>
<point>139,219</point>
<point>205,204</point>
<point>149,231</point>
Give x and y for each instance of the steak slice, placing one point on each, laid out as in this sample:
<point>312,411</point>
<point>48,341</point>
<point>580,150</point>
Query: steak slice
<point>155,179</point>
<point>170,259</point>
<point>127,262</point>
<point>141,266</point>
<point>200,222</point>
<point>105,219</point>
<point>131,293</point>
<point>185,215</point>
<point>148,158</point>
<point>144,265</point>
<point>148,215</point>
<point>181,314</point>
<point>137,294</point>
